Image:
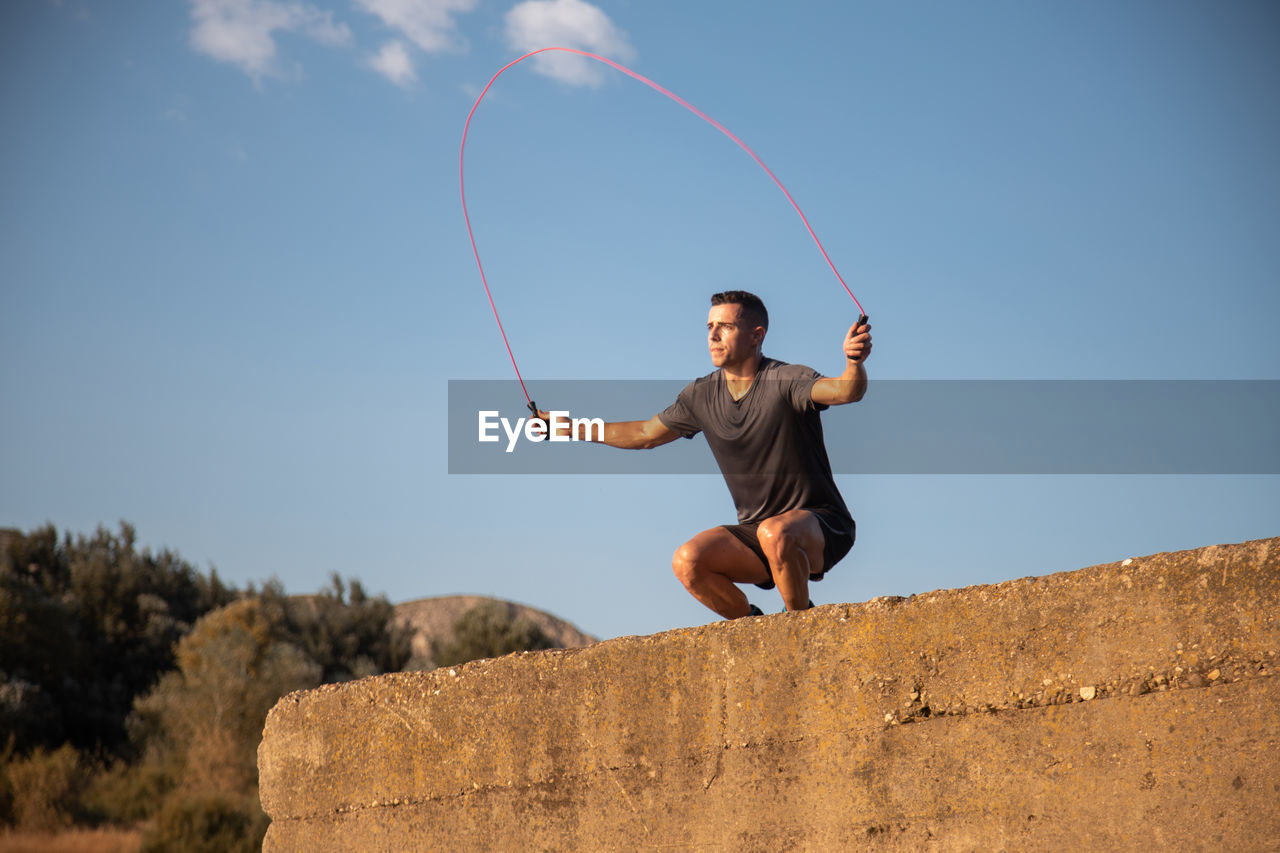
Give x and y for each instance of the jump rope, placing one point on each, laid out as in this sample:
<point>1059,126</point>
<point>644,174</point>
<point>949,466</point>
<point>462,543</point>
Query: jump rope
<point>462,187</point>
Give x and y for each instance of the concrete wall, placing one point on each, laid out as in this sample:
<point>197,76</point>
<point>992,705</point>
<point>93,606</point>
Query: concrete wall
<point>1116,707</point>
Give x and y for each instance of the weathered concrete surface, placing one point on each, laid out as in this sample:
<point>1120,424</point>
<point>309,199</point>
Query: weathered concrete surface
<point>955,720</point>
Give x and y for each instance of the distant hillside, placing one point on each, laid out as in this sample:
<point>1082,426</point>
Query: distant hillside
<point>431,620</point>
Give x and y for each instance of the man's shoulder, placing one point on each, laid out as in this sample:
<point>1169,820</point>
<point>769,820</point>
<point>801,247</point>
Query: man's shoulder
<point>703,383</point>
<point>782,370</point>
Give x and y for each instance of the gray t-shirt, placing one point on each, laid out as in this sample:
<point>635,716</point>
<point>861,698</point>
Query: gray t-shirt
<point>768,444</point>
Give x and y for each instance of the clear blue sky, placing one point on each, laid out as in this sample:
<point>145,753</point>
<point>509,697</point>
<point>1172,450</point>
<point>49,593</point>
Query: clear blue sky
<point>236,279</point>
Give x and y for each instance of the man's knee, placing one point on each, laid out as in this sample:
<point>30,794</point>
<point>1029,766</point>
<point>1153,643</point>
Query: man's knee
<point>776,536</point>
<point>685,563</point>
<point>783,538</point>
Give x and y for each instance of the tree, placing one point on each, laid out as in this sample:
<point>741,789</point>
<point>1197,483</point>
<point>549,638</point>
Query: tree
<point>37,649</point>
<point>200,726</point>
<point>344,630</point>
<point>489,630</point>
<point>88,624</point>
<point>203,721</point>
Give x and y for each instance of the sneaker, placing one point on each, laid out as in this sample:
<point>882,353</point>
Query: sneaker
<point>755,611</point>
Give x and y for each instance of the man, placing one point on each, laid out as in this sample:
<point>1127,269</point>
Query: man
<point>761,420</point>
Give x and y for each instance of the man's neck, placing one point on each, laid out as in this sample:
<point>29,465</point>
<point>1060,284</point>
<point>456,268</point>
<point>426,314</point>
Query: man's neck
<point>744,372</point>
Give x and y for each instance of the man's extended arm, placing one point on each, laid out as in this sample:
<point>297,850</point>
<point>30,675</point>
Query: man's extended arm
<point>849,386</point>
<point>629,435</point>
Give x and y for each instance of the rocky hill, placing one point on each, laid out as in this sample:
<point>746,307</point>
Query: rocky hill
<point>432,619</point>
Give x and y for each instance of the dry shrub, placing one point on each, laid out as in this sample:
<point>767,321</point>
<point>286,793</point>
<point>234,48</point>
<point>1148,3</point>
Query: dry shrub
<point>124,794</point>
<point>72,841</point>
<point>217,762</point>
<point>45,788</point>
<point>208,824</point>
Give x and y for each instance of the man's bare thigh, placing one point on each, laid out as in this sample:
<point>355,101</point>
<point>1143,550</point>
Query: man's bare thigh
<point>717,550</point>
<point>804,526</point>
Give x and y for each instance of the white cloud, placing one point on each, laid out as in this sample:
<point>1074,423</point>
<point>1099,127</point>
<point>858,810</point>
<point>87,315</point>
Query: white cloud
<point>242,32</point>
<point>394,63</point>
<point>566,23</point>
<point>428,24</point>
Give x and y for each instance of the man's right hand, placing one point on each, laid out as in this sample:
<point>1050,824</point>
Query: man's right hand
<point>564,425</point>
<point>625,434</point>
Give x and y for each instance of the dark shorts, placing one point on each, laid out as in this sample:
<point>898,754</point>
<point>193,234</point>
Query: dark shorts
<point>836,534</point>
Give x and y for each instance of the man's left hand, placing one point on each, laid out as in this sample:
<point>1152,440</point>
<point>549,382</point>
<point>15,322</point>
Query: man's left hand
<point>857,343</point>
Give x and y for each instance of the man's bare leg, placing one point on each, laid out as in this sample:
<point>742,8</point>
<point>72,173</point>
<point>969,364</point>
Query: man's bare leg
<point>711,563</point>
<point>794,544</point>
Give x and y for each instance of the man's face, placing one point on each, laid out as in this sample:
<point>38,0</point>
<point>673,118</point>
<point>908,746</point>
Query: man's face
<point>730,338</point>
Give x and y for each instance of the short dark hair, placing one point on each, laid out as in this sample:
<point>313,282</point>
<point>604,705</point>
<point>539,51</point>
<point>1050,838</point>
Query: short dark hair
<point>752,308</point>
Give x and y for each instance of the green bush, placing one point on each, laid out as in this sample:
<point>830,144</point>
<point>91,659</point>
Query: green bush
<point>347,632</point>
<point>489,630</point>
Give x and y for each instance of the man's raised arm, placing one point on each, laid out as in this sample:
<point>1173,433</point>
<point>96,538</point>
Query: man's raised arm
<point>629,435</point>
<point>849,386</point>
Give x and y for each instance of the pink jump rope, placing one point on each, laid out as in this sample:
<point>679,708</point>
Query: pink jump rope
<point>462,187</point>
